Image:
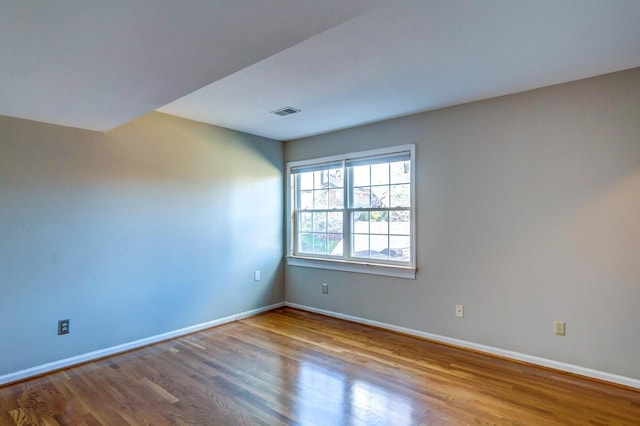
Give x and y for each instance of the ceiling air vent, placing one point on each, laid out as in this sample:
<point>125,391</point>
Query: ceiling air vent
<point>285,111</point>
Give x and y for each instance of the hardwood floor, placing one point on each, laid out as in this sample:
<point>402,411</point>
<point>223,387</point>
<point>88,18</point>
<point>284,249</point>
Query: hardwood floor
<point>292,367</point>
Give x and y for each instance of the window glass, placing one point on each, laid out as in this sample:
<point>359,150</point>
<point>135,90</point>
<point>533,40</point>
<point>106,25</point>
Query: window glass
<point>357,208</point>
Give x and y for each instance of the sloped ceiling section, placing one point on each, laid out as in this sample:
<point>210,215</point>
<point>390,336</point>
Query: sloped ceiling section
<point>98,64</point>
<point>406,57</point>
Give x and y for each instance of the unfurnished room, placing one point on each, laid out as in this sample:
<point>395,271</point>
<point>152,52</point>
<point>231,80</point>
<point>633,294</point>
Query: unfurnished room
<point>304,212</point>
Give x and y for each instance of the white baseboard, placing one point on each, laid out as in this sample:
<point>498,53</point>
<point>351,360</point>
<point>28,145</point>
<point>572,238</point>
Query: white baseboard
<point>91,356</point>
<point>556,365</point>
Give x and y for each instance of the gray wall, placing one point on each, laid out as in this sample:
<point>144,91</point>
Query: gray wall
<point>155,226</point>
<point>528,211</point>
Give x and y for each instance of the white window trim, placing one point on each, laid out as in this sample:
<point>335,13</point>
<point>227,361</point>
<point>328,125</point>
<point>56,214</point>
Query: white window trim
<point>349,265</point>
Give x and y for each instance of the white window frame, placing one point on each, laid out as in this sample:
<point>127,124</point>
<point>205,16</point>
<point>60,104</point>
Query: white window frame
<point>346,263</point>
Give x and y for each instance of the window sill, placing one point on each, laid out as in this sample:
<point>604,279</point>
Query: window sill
<point>358,267</point>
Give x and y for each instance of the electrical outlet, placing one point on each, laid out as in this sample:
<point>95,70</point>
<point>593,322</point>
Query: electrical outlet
<point>256,275</point>
<point>459,311</point>
<point>559,327</point>
<point>325,288</point>
<point>63,326</point>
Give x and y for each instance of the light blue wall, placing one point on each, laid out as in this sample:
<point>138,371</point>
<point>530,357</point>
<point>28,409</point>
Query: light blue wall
<point>155,226</point>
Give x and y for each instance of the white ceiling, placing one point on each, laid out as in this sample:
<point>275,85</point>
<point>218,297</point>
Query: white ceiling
<point>99,64</point>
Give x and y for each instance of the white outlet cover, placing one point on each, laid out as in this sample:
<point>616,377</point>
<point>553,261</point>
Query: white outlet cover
<point>459,311</point>
<point>256,276</point>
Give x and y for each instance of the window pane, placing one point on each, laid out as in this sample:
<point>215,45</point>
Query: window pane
<point>334,224</point>
<point>379,223</point>
<point>360,224</point>
<point>330,178</point>
<point>400,196</point>
<point>360,245</point>
<point>361,176</point>
<point>336,198</point>
<point>378,243</point>
<point>379,196</point>
<point>319,244</point>
<point>305,243</point>
<point>306,181</point>
<point>334,244</point>
<point>380,174</point>
<point>400,172</point>
<point>335,178</point>
<point>319,179</point>
<point>306,200</point>
<point>400,223</point>
<point>306,222</point>
<point>400,248</point>
<point>319,221</point>
<point>361,197</point>
<point>321,198</point>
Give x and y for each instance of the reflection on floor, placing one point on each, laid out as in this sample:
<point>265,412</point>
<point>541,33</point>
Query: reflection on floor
<point>289,367</point>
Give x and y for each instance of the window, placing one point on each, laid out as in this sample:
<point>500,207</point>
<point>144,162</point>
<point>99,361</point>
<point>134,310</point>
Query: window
<point>354,212</point>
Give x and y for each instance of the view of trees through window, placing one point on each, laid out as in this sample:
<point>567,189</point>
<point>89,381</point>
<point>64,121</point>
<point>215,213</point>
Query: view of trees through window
<point>368,201</point>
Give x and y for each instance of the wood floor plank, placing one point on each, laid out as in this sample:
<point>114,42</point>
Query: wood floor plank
<point>291,367</point>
